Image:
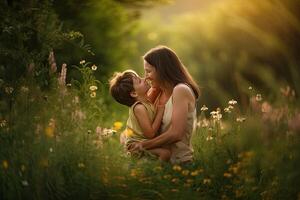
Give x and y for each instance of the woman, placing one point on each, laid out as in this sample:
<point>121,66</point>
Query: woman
<point>178,92</point>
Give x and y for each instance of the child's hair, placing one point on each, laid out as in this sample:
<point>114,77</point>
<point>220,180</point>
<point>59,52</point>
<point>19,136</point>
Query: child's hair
<point>121,85</point>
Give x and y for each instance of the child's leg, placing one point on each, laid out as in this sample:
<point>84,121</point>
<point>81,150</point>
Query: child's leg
<point>162,153</point>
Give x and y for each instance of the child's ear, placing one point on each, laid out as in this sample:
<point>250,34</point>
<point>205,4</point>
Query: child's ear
<point>133,94</point>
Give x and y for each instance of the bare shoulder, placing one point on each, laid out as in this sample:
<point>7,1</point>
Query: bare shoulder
<point>183,90</point>
<point>139,107</point>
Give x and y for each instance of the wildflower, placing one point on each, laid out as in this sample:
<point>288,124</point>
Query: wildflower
<point>24,89</point>
<point>23,168</point>
<point>49,131</point>
<point>167,176</point>
<point>93,94</point>
<point>206,181</point>
<point>194,173</point>
<point>63,74</point>
<point>117,126</point>
<point>240,119</point>
<point>81,165</point>
<point>25,183</point>
<point>69,85</point>
<point>158,168</point>
<point>5,164</point>
<point>216,114</point>
<point>227,175</point>
<point>75,100</point>
<point>227,110</point>
<point>175,180</point>
<point>51,149</point>
<point>185,172</point>
<point>82,62</point>
<point>89,131</point>
<point>208,138</point>
<point>205,123</point>
<point>128,132</point>
<point>133,173</point>
<point>108,132</point>
<point>9,90</point>
<point>232,102</point>
<point>204,108</point>
<point>176,168</point>
<point>93,87</point>
<point>94,67</point>
<point>3,123</point>
<point>258,97</point>
<point>250,88</point>
<point>213,113</point>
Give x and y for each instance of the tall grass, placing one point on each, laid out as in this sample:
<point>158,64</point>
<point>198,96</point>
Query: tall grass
<point>54,145</point>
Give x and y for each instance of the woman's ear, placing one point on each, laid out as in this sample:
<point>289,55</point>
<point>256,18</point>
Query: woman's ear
<point>133,94</point>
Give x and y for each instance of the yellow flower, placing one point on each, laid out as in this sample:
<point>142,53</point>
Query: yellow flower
<point>49,131</point>
<point>93,87</point>
<point>117,125</point>
<point>93,94</point>
<point>176,168</point>
<point>194,173</point>
<point>185,172</point>
<point>81,165</point>
<point>167,176</point>
<point>5,164</point>
<point>206,181</point>
<point>82,62</point>
<point>227,175</point>
<point>175,180</point>
<point>94,67</point>
<point>128,132</point>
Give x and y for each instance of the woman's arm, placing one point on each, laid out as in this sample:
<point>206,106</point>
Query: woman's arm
<point>181,99</point>
<point>148,127</point>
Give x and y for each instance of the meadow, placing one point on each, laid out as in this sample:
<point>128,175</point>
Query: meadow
<point>53,146</point>
<point>60,128</point>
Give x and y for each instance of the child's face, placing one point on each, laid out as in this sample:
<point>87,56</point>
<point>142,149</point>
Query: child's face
<point>140,86</point>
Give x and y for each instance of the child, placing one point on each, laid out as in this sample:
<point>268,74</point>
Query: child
<point>143,122</point>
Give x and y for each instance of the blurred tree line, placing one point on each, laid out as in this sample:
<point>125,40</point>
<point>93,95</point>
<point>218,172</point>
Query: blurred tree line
<point>94,30</point>
<point>235,45</point>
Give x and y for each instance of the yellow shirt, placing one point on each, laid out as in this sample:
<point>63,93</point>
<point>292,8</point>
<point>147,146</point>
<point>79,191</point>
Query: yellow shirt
<point>133,131</point>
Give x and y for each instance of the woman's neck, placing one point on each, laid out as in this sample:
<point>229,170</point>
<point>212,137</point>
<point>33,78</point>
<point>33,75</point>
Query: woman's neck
<point>167,90</point>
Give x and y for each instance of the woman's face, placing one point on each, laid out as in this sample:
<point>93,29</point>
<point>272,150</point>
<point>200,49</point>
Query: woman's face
<point>151,74</point>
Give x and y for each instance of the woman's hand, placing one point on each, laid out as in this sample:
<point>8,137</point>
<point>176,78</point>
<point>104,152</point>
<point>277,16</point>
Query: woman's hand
<point>135,146</point>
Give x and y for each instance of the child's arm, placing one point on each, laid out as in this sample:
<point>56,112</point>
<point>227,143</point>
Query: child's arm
<point>149,128</point>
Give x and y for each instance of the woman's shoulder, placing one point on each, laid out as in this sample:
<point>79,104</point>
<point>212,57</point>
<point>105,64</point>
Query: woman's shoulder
<point>183,89</point>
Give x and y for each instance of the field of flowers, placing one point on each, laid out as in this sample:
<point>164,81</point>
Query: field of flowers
<point>63,143</point>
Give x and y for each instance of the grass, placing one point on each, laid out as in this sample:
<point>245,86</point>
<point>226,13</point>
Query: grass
<point>56,144</point>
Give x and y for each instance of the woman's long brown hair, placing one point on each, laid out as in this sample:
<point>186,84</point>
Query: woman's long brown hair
<point>169,67</point>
